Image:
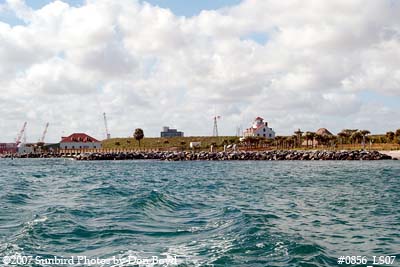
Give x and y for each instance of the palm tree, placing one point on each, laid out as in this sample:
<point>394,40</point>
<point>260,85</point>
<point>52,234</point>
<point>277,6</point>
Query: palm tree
<point>278,140</point>
<point>291,141</point>
<point>345,134</point>
<point>309,136</point>
<point>321,139</point>
<point>298,133</point>
<point>397,133</point>
<point>364,133</point>
<point>138,135</point>
<point>356,137</point>
<point>390,136</point>
<point>312,137</point>
<point>183,145</point>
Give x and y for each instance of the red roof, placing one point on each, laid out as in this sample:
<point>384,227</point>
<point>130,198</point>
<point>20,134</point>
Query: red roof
<point>253,129</point>
<point>78,137</point>
<point>259,118</point>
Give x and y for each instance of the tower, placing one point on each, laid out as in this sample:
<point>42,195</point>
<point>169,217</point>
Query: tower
<point>108,136</point>
<point>215,130</point>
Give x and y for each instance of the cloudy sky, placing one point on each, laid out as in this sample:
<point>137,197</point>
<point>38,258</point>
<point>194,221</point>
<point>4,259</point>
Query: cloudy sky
<point>298,63</point>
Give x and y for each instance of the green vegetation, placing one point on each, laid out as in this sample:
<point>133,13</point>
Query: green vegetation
<point>169,143</point>
<point>138,135</point>
<point>346,139</point>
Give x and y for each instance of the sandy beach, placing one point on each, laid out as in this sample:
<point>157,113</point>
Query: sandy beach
<point>393,154</point>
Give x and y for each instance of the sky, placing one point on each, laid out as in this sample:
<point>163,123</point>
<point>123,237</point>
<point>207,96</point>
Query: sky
<point>298,64</point>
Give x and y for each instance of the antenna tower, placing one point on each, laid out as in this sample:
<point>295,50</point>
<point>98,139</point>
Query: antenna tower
<point>215,130</point>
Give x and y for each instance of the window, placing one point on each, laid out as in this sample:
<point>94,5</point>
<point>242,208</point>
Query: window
<point>264,135</point>
<point>73,147</point>
<point>258,134</point>
<point>270,135</point>
<point>264,130</point>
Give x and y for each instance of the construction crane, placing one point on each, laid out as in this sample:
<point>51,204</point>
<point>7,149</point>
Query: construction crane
<point>20,134</point>
<point>108,136</point>
<point>215,130</point>
<point>41,140</point>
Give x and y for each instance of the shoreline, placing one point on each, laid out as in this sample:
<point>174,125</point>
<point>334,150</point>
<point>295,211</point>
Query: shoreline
<point>292,155</point>
<point>395,154</point>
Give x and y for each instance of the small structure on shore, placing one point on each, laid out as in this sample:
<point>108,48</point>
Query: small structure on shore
<point>195,145</point>
<point>168,132</point>
<point>79,141</point>
<point>323,132</point>
<point>260,128</point>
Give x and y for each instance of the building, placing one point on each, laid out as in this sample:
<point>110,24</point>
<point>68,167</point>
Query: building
<point>79,141</point>
<point>167,132</point>
<point>260,128</point>
<point>8,148</point>
<point>323,132</point>
<point>25,148</point>
<point>321,136</point>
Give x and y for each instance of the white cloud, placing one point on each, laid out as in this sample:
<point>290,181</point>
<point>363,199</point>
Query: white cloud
<point>148,68</point>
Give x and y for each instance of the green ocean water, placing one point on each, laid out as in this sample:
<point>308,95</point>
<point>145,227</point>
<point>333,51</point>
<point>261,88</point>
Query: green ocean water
<point>247,213</point>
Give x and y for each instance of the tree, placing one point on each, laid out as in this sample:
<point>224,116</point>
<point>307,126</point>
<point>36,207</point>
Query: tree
<point>183,145</point>
<point>390,136</point>
<point>279,141</point>
<point>309,136</point>
<point>397,133</point>
<point>138,135</point>
<point>320,139</point>
<point>345,135</point>
<point>356,137</point>
<point>291,141</point>
<point>298,133</point>
<point>364,133</point>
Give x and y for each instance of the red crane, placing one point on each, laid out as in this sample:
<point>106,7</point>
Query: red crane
<point>41,140</point>
<point>20,134</point>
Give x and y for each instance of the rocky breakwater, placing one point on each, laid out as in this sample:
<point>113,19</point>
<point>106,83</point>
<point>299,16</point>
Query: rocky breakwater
<point>238,155</point>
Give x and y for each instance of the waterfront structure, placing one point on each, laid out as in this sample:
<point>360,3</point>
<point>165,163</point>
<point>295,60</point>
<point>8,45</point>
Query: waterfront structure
<point>79,141</point>
<point>168,132</point>
<point>26,148</point>
<point>317,137</point>
<point>8,148</point>
<point>260,128</point>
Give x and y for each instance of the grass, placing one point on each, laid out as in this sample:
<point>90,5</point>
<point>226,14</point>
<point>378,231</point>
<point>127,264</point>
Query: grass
<point>167,143</point>
<point>178,143</point>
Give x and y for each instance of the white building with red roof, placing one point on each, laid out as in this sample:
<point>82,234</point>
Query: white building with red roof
<point>260,128</point>
<point>79,141</point>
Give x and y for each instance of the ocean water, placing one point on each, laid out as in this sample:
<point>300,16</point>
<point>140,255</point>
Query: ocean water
<point>248,213</point>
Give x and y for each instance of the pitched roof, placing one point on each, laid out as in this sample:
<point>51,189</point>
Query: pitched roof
<point>78,137</point>
<point>323,131</point>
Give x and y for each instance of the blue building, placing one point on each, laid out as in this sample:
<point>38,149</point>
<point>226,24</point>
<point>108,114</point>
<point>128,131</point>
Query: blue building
<point>167,132</point>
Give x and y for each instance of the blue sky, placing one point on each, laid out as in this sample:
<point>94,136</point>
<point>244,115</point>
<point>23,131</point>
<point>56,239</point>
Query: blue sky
<point>179,7</point>
<point>190,8</point>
